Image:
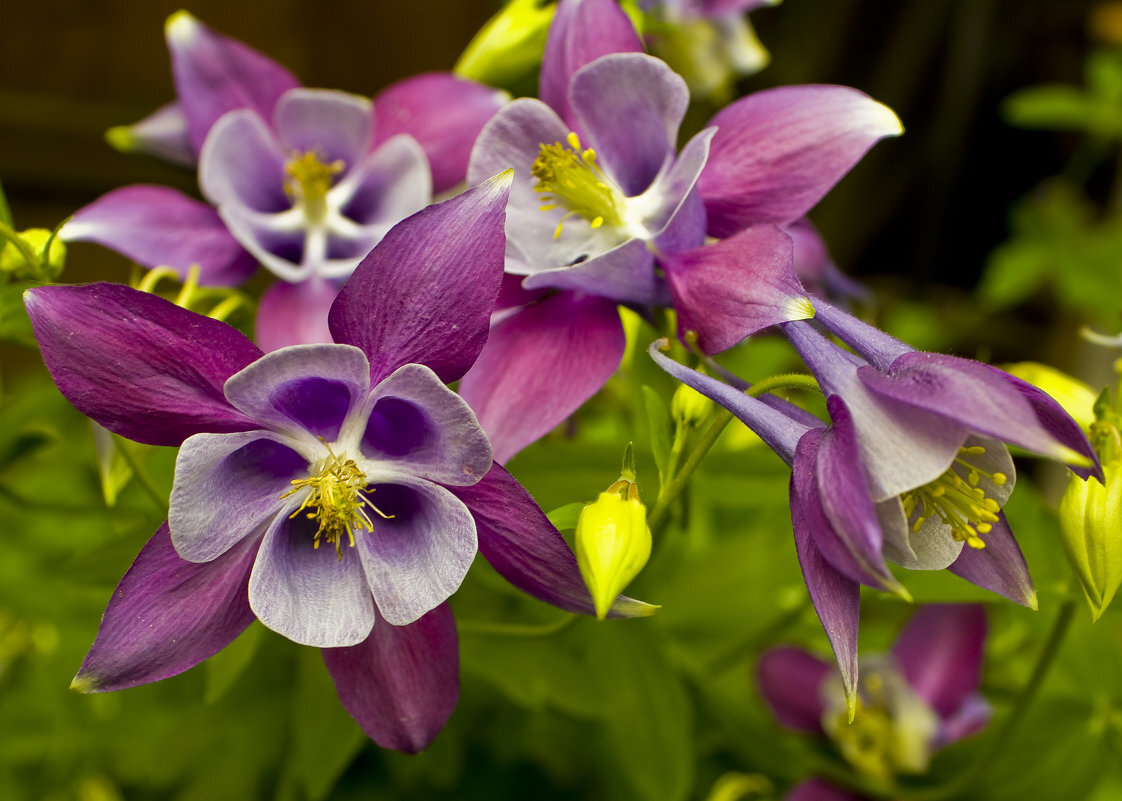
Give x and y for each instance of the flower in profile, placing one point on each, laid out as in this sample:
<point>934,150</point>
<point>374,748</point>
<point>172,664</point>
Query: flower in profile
<point>918,698</point>
<point>912,469</point>
<point>605,210</point>
<point>299,180</point>
<point>336,492</point>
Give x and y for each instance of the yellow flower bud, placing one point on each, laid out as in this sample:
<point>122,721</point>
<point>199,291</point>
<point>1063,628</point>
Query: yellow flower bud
<point>14,262</point>
<point>689,407</point>
<point>613,543</point>
<point>1091,525</point>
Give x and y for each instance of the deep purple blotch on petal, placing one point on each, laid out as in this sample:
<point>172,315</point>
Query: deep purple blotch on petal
<point>999,567</point>
<point>540,365</point>
<point>424,295</point>
<point>526,549</point>
<point>941,651</point>
<point>157,226</point>
<point>214,74</point>
<point>836,597</point>
<point>167,615</point>
<point>140,366</point>
<point>819,790</point>
<point>789,680</point>
<point>581,32</point>
<point>733,288</point>
<point>777,152</point>
<point>444,113</point>
<point>401,684</point>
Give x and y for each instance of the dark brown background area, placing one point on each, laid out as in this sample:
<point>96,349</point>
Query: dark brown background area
<point>927,207</point>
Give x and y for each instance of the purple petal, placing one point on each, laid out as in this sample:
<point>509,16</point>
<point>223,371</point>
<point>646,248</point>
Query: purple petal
<point>777,152</point>
<point>679,221</point>
<point>162,134</point>
<point>167,615</point>
<point>242,164</point>
<point>415,560</point>
<point>816,270</point>
<point>402,683</point>
<point>304,391</point>
<point>779,431</point>
<point>969,719</point>
<point>540,365</point>
<point>1058,424</point>
<point>334,125</point>
<point>971,394</point>
<point>391,183</point>
<point>736,287</point>
<point>845,501</point>
<point>215,74</point>
<point>518,540</point>
<point>789,680</point>
<point>941,651</point>
<point>819,790</point>
<point>836,598</point>
<point>137,364</point>
<point>157,226</point>
<point>870,342</point>
<point>444,265</point>
<point>305,593</point>
<point>444,113</point>
<point>999,567</point>
<point>629,106</point>
<point>625,274</point>
<point>581,32</point>
<point>227,486</point>
<point>295,314</point>
<point>421,427</point>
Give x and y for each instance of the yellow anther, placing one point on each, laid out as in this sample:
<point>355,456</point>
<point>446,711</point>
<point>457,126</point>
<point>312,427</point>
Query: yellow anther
<point>570,177</point>
<point>573,140</point>
<point>959,503</point>
<point>309,179</point>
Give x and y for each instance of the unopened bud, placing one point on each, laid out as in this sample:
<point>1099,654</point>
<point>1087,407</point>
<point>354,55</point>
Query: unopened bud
<point>42,266</point>
<point>689,407</point>
<point>613,543</point>
<point>1091,525</point>
<point>508,46</point>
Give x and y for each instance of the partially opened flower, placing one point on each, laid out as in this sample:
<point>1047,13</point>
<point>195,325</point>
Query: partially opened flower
<point>336,492</point>
<point>919,697</point>
<point>912,469</point>
<point>602,195</point>
<point>303,181</point>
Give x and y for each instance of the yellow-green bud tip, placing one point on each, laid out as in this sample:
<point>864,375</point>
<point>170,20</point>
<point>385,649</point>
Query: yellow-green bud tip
<point>83,684</point>
<point>181,26</point>
<point>120,138</point>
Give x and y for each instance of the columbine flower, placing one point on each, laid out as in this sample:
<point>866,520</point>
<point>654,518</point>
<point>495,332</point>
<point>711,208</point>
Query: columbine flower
<point>301,180</point>
<point>336,492</point>
<point>601,194</point>
<point>920,697</point>
<point>913,468</point>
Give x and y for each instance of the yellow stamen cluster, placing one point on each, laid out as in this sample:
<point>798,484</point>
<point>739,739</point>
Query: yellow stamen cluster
<point>337,501</point>
<point>308,180</point>
<point>958,500</point>
<point>570,177</point>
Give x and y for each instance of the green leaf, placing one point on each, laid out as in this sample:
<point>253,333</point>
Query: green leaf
<point>658,422</point>
<point>1060,107</point>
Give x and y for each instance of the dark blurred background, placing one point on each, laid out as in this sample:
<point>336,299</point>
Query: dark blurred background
<point>919,212</point>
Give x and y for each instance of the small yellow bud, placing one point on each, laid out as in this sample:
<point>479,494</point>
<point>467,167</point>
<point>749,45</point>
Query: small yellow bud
<point>613,543</point>
<point>13,261</point>
<point>689,407</point>
<point>1091,526</point>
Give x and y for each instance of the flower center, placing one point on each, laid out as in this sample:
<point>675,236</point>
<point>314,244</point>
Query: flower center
<point>337,501</point>
<point>569,177</point>
<point>957,499</point>
<point>308,179</point>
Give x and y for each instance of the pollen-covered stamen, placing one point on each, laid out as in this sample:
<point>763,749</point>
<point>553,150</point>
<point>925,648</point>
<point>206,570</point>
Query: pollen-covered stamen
<point>569,177</point>
<point>308,179</point>
<point>337,500</point>
<point>957,499</point>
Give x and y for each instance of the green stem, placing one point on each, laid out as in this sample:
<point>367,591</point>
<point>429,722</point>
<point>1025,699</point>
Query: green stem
<point>29,255</point>
<point>487,629</point>
<point>675,486</point>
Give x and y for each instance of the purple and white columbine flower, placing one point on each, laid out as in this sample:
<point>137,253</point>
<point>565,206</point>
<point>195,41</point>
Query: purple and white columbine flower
<point>920,697</point>
<point>301,180</point>
<point>602,195</point>
<point>913,468</point>
<point>336,492</point>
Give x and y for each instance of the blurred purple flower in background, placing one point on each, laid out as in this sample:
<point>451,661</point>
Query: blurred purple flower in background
<point>919,697</point>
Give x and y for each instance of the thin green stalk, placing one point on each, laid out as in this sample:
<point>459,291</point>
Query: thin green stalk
<point>141,475</point>
<point>722,418</point>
